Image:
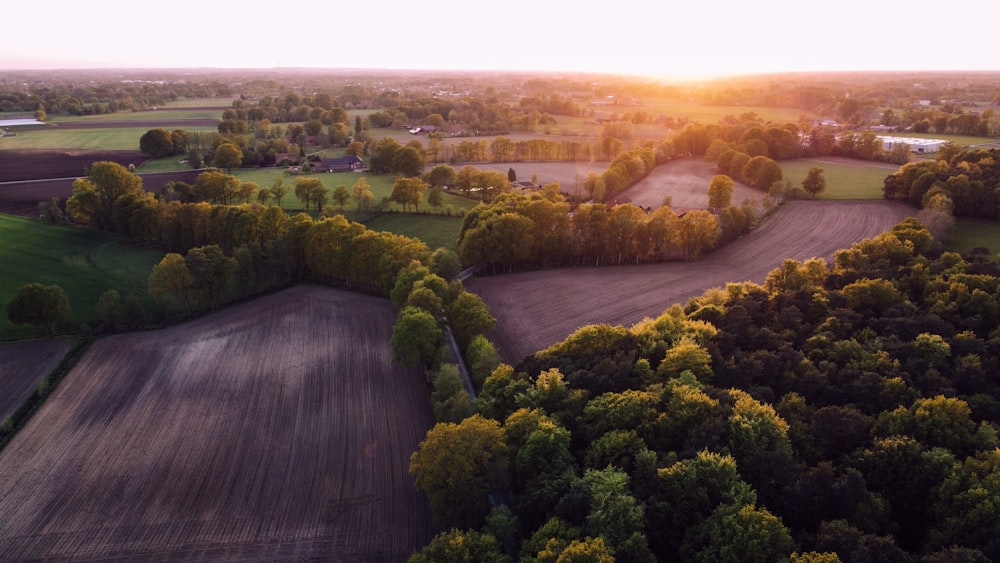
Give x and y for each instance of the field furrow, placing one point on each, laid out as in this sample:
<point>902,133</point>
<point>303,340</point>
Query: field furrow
<point>537,309</point>
<point>271,427</point>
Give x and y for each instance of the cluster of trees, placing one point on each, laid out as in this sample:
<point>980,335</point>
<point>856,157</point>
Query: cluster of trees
<point>222,252</point>
<point>543,229</point>
<point>962,182</point>
<point>80,93</point>
<point>159,142</point>
<point>844,412</point>
<point>956,100</point>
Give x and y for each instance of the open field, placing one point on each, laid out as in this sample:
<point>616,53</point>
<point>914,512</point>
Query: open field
<point>23,365</point>
<point>686,181</point>
<point>100,135</point>
<point>969,233</point>
<point>435,230</point>
<point>846,178</point>
<point>84,262</point>
<point>537,309</point>
<point>277,430</point>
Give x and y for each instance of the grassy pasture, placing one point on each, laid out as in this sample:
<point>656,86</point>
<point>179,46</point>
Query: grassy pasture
<point>85,263</point>
<point>844,180</point>
<point>435,230</point>
<point>968,233</point>
<point>99,138</point>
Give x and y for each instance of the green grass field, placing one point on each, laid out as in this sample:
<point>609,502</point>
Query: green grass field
<point>437,231</point>
<point>53,138</point>
<point>968,233</point>
<point>84,262</point>
<point>843,181</point>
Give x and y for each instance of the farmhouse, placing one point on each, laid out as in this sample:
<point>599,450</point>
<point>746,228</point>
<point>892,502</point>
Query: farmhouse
<point>919,146</point>
<point>342,164</point>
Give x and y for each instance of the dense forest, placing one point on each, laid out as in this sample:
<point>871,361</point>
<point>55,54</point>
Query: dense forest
<point>843,411</point>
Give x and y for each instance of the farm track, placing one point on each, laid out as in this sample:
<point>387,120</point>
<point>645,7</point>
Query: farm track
<point>275,430</point>
<point>537,309</point>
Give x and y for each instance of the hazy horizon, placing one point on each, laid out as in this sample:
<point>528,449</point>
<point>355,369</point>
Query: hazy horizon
<point>628,37</point>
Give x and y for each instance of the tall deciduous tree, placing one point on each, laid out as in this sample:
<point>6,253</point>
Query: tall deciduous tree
<point>94,197</point>
<point>720,191</point>
<point>172,278</point>
<point>41,305</point>
<point>415,338</point>
<point>814,182</point>
<point>157,143</point>
<point>228,156</point>
<point>458,466</point>
<point>407,191</point>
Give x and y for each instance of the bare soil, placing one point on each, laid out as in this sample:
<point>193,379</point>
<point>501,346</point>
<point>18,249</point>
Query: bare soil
<point>23,365</point>
<point>537,309</point>
<point>19,165</point>
<point>29,177</point>
<point>277,430</point>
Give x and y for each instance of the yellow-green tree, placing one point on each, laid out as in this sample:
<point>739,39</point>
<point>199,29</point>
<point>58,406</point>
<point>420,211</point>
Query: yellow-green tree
<point>94,196</point>
<point>458,466</point>
<point>720,191</point>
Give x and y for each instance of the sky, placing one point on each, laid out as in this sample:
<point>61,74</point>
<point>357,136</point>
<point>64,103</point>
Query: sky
<point>656,38</point>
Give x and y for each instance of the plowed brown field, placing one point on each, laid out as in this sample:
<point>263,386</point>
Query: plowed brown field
<point>23,365</point>
<point>277,430</point>
<point>537,309</point>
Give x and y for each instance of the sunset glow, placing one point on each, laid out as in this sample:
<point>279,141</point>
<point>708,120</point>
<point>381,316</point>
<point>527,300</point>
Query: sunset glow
<point>664,40</point>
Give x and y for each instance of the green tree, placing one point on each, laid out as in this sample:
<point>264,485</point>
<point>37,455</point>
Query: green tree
<point>460,546</point>
<point>415,338</point>
<point>761,171</point>
<point>228,156</point>
<point>408,190</point>
<point>157,143</point>
<point>435,197</point>
<point>468,315</point>
<point>41,305</point>
<point>720,191</point>
<point>211,271</point>
<point>278,190</point>
<point>341,196</point>
<point>458,466</point>
<point>814,182</point>
<point>95,195</point>
<point>408,161</point>
<point>306,189</point>
<point>739,535</point>
<point>110,309</point>
<point>363,194</point>
<point>482,358</point>
<point>697,232</point>
<point>172,278</point>
<point>442,176</point>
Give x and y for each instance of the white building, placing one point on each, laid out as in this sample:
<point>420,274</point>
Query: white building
<point>919,146</point>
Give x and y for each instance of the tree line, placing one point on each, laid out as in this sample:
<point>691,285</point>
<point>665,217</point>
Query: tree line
<point>959,182</point>
<point>836,412</point>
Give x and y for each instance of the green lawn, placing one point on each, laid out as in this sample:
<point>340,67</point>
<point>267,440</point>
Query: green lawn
<point>84,262</point>
<point>53,138</point>
<point>843,181</point>
<point>968,233</point>
<point>436,230</point>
